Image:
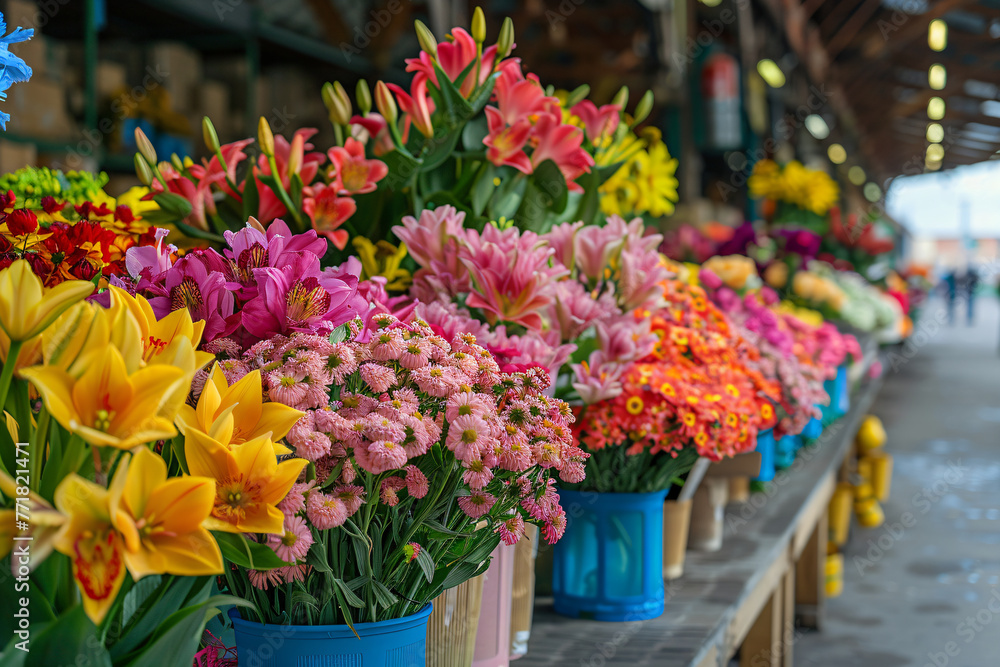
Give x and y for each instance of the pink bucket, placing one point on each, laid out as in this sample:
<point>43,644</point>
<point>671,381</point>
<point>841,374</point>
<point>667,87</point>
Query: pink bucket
<point>493,636</point>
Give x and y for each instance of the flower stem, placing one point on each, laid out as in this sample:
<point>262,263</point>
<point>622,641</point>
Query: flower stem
<point>7,374</point>
<point>38,441</point>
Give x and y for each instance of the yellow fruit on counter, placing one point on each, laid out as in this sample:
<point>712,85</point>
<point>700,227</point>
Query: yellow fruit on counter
<point>871,435</point>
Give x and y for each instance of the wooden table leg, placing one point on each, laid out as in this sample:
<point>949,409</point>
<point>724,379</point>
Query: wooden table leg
<point>762,646</point>
<point>787,617</point>
<point>810,577</point>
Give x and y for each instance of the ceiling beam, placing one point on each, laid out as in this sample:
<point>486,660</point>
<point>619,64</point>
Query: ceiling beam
<point>847,32</point>
<point>915,27</point>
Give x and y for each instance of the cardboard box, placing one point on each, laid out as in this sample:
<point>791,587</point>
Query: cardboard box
<point>180,67</point>
<point>213,101</point>
<point>38,111</point>
<point>111,78</point>
<point>22,14</point>
<point>14,155</point>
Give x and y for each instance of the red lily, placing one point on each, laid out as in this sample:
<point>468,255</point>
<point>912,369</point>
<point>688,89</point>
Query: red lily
<point>598,122</point>
<point>353,173</point>
<point>561,144</point>
<point>328,211</point>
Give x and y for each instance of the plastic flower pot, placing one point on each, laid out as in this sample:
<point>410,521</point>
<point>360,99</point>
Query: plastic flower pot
<point>839,513</point>
<point>840,395</point>
<point>784,454</point>
<point>399,642</point>
<point>493,636</point>
<point>766,445</point>
<point>452,626</point>
<point>676,522</point>
<point>608,566</point>
<point>522,603</point>
<point>813,429</point>
<point>707,514</point>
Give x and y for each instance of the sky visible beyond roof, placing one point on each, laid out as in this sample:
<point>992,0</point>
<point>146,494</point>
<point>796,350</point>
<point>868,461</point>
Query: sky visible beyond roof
<point>929,205</point>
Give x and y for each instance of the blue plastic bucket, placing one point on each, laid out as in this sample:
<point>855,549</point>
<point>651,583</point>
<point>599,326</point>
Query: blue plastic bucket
<point>766,445</point>
<point>608,566</point>
<point>784,452</point>
<point>840,396</point>
<point>400,642</point>
<point>813,429</point>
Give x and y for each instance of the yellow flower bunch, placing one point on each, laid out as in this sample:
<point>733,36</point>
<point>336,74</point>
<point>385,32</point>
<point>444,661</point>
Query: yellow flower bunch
<point>809,189</point>
<point>645,183</point>
<point>818,289</point>
<point>805,315</point>
<point>736,271</point>
<point>383,259</point>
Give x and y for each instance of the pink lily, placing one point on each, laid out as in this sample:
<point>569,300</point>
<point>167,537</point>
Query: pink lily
<point>416,104</point>
<point>505,143</point>
<point>454,57</point>
<point>290,158</point>
<point>597,121</point>
<point>355,174</point>
<point>327,211</point>
<point>562,239</point>
<point>561,144</point>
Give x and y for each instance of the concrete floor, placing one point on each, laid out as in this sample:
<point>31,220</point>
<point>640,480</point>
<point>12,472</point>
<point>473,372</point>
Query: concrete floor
<point>924,589</point>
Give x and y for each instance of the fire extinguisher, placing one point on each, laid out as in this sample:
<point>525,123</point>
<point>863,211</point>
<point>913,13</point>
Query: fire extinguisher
<point>720,91</point>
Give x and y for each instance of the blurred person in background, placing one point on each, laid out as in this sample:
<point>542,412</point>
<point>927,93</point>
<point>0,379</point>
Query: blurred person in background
<point>971,284</point>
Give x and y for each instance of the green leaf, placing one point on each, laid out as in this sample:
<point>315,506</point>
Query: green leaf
<point>383,595</point>
<point>589,203</point>
<point>483,189</point>
<point>238,549</point>
<point>426,564</point>
<point>352,599</point>
<point>173,203</point>
<point>251,198</point>
<point>474,132</point>
<point>318,558</point>
<point>137,596</point>
<point>456,108</point>
<point>295,192</point>
<point>69,640</point>
<point>479,100</point>
<point>196,233</point>
<point>177,639</point>
<point>402,169</point>
<point>508,196</point>
<point>168,597</point>
<point>438,531</point>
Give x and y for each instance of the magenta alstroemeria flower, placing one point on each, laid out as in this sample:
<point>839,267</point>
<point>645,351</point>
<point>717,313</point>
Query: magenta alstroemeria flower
<point>300,297</point>
<point>251,249</point>
<point>197,282</point>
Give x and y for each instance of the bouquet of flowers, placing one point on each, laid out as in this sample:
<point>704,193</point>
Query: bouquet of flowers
<point>111,537</point>
<point>795,196</point>
<point>697,394</point>
<point>418,456</point>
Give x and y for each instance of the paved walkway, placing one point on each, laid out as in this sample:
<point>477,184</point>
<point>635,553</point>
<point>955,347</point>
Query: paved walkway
<point>924,590</point>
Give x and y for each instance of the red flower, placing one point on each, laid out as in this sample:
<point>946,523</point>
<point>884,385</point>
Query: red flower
<point>328,211</point>
<point>21,221</point>
<point>353,173</point>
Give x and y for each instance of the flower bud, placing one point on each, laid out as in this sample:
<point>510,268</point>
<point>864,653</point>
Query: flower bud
<point>426,39</point>
<point>364,95</point>
<point>385,102</point>
<point>265,138</point>
<point>643,108</point>
<point>506,40</point>
<point>142,170</point>
<point>578,95</point>
<point>175,160</point>
<point>621,99</point>
<point>344,111</point>
<point>145,146</point>
<point>209,134</point>
<point>478,25</point>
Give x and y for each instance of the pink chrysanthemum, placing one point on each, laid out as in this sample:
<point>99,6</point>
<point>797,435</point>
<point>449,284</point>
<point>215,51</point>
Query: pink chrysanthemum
<point>341,362</point>
<point>477,475</point>
<point>414,355</point>
<point>325,511</point>
<point>312,446</point>
<point>573,472</point>
<point>295,501</point>
<point>437,381</point>
<point>289,388</point>
<point>293,545</point>
<point>554,528</point>
<point>467,435</point>
<point>476,504</point>
<point>378,377</point>
<point>353,497</point>
<point>511,529</point>
<point>381,456</point>
<point>348,473</point>
<point>263,580</point>
<point>387,345</point>
<point>415,439</point>
<point>416,482</point>
<point>388,490</point>
<point>294,572</point>
<point>466,403</point>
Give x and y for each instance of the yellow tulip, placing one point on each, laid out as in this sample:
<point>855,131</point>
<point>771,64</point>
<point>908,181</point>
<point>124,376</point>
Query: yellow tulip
<point>107,406</point>
<point>249,482</point>
<point>235,414</point>
<point>158,336</point>
<point>29,354</point>
<point>44,525</point>
<point>94,547</point>
<point>160,519</point>
<point>27,308</point>
<point>84,330</point>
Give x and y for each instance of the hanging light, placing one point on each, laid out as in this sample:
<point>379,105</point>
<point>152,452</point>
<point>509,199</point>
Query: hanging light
<point>817,126</point>
<point>937,35</point>
<point>836,153</point>
<point>771,73</point>
<point>872,192</point>
<point>935,108</point>
<point>937,77</point>
<point>856,175</point>
<point>935,133</point>
<point>935,153</point>
<point>932,166</point>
